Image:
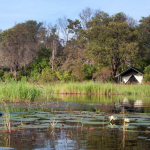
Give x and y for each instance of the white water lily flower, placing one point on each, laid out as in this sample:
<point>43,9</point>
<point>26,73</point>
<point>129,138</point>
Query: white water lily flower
<point>112,118</point>
<point>126,120</point>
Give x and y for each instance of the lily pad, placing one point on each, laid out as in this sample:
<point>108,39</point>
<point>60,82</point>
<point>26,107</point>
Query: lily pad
<point>128,127</point>
<point>141,137</point>
<point>51,121</point>
<point>113,126</point>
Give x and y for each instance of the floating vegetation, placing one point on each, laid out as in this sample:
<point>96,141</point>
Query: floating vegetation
<point>43,120</point>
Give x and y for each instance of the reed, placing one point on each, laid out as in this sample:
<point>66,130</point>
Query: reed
<point>21,90</point>
<point>102,88</point>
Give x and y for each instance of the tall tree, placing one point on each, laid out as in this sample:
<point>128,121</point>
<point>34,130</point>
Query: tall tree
<point>86,17</point>
<point>20,44</point>
<point>74,27</point>
<point>144,29</point>
<point>63,26</point>
<point>111,41</point>
<point>144,42</point>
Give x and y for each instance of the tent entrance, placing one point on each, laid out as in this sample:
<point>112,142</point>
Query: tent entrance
<point>133,79</point>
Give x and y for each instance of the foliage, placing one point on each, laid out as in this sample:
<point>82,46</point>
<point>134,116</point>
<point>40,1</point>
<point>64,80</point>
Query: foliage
<point>20,44</point>
<point>88,71</point>
<point>146,78</point>
<point>29,49</point>
<point>144,30</point>
<point>7,76</point>
<point>77,70</point>
<point>47,75</point>
<point>44,53</point>
<point>74,26</point>
<point>37,67</point>
<point>63,75</point>
<point>111,43</point>
<point>147,70</point>
<point>147,74</point>
<point>1,73</point>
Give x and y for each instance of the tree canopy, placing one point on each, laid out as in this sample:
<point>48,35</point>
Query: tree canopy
<point>111,41</point>
<point>85,47</point>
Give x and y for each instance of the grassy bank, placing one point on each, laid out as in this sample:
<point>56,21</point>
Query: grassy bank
<point>22,90</point>
<point>102,88</point>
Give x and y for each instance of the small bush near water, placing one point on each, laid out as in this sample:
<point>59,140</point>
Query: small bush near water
<point>18,90</point>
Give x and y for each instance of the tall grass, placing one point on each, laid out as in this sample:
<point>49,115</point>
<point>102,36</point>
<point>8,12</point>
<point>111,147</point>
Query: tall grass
<point>102,88</point>
<point>21,90</point>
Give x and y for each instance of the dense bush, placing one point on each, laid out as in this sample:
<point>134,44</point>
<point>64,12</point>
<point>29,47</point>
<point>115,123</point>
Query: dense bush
<point>37,67</point>
<point>147,74</point>
<point>47,75</point>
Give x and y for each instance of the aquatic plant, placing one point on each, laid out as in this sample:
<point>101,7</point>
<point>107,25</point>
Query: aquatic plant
<point>112,118</point>
<point>126,120</point>
<point>53,124</point>
<point>6,117</point>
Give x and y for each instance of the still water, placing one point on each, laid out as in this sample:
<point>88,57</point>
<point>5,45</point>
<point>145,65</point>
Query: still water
<point>77,122</point>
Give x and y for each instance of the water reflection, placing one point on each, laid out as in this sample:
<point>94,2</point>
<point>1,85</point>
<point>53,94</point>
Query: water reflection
<point>43,140</point>
<point>129,105</point>
<point>73,139</point>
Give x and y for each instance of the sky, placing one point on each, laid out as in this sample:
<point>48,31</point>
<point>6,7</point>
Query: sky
<point>19,11</point>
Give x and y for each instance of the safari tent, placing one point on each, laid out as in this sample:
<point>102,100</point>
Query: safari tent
<point>131,75</point>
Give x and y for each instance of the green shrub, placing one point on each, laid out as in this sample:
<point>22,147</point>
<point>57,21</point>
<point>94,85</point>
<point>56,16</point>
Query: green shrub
<point>8,76</point>
<point>63,75</point>
<point>47,75</point>
<point>147,74</point>
<point>147,70</point>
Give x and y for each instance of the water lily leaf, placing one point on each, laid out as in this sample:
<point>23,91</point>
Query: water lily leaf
<point>77,120</point>
<point>23,119</point>
<point>15,118</point>
<point>67,118</point>
<point>51,121</point>
<point>128,127</point>
<point>142,120</point>
<point>52,118</point>
<point>141,137</point>
<point>132,119</point>
<point>113,126</point>
<point>141,123</point>
<point>94,123</point>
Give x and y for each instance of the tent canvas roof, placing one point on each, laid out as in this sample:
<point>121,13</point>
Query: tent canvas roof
<point>131,68</point>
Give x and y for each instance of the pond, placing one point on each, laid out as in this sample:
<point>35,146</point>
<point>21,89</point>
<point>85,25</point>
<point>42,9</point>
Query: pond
<point>82,122</point>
